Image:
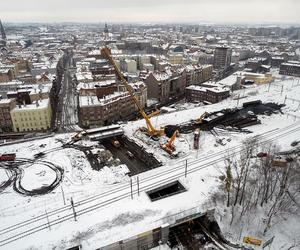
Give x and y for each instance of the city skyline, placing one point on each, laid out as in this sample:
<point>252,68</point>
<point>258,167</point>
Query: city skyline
<point>214,11</point>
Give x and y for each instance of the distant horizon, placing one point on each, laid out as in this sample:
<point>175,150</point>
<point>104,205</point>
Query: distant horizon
<point>154,23</point>
<point>155,11</point>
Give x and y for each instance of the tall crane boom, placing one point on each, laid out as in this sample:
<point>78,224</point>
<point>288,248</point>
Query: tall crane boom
<point>105,52</point>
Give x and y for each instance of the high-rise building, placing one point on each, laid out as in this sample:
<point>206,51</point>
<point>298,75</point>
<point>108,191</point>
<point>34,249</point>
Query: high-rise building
<point>105,29</point>
<point>3,36</point>
<point>222,57</point>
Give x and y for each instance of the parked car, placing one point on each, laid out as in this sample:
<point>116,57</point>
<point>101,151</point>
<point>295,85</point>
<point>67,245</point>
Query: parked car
<point>262,154</point>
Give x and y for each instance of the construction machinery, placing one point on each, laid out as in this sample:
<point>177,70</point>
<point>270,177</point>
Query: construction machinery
<point>151,131</point>
<point>78,135</point>
<point>196,138</point>
<point>115,143</point>
<point>169,145</point>
<point>154,113</point>
<point>200,119</point>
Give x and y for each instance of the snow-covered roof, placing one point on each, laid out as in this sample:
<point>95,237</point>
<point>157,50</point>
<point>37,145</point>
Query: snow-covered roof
<point>42,104</point>
<point>93,100</point>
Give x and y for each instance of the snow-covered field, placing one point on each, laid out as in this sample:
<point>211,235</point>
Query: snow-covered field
<point>105,211</point>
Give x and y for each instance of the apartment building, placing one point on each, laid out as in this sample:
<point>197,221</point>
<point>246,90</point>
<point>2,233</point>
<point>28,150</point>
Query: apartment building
<point>32,117</point>
<point>210,94</point>
<point>96,111</point>
<point>197,74</point>
<point>291,68</point>
<point>6,105</point>
<point>158,85</point>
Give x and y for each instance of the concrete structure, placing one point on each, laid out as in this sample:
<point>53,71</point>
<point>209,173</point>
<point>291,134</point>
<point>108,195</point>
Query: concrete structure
<point>291,68</point>
<point>210,94</point>
<point>6,105</point>
<point>222,57</point>
<point>32,117</point>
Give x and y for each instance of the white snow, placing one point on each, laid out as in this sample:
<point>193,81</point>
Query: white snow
<point>112,214</point>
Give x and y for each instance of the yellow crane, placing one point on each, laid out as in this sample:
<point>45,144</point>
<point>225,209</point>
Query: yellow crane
<point>151,131</point>
<point>169,145</point>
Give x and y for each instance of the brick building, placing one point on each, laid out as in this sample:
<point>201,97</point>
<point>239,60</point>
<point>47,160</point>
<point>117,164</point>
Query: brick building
<point>112,108</point>
<point>210,94</point>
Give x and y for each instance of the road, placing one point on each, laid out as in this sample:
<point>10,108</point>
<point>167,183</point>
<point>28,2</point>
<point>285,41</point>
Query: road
<point>67,117</point>
<point>34,223</point>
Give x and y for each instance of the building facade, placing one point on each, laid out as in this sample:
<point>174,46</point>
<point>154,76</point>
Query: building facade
<point>32,117</point>
<point>101,112</point>
<point>6,105</point>
<point>208,94</point>
<point>222,57</point>
<point>290,69</point>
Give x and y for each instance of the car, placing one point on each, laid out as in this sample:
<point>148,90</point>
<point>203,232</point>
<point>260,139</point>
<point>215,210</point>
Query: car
<point>262,154</point>
<point>294,143</point>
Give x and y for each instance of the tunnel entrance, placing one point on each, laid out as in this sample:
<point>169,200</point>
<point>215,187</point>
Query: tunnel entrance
<point>166,191</point>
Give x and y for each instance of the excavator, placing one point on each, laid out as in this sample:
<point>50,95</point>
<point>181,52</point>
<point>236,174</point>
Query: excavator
<point>200,119</point>
<point>150,130</point>
<point>78,136</point>
<point>169,145</point>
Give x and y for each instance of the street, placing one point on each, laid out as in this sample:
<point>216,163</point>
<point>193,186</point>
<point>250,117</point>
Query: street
<point>67,115</point>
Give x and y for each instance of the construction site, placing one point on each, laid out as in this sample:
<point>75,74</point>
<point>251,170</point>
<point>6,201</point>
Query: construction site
<point>144,175</point>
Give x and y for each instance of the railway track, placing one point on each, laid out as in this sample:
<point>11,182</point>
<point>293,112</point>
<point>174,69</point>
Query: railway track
<point>122,191</point>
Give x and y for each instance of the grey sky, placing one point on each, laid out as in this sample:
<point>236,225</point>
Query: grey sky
<point>246,11</point>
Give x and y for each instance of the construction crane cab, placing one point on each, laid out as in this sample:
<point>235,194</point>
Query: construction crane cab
<point>150,130</point>
<point>169,145</point>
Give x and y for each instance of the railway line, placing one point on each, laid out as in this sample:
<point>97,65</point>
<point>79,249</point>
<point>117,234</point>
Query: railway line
<point>15,173</point>
<point>122,191</point>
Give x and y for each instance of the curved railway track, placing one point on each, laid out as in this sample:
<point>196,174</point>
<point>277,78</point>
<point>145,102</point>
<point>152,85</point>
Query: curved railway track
<point>122,191</point>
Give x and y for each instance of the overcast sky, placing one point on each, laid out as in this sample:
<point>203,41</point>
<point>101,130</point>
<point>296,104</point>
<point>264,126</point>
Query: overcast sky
<point>220,11</point>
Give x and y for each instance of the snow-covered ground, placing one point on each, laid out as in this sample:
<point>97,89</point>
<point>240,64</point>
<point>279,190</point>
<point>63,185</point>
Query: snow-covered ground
<point>105,211</point>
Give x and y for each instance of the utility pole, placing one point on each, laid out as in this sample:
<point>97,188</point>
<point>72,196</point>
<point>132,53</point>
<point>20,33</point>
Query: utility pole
<point>47,219</point>
<point>74,212</point>
<point>138,185</point>
<point>131,188</point>
<point>185,172</point>
<point>63,195</point>
<point>238,100</point>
